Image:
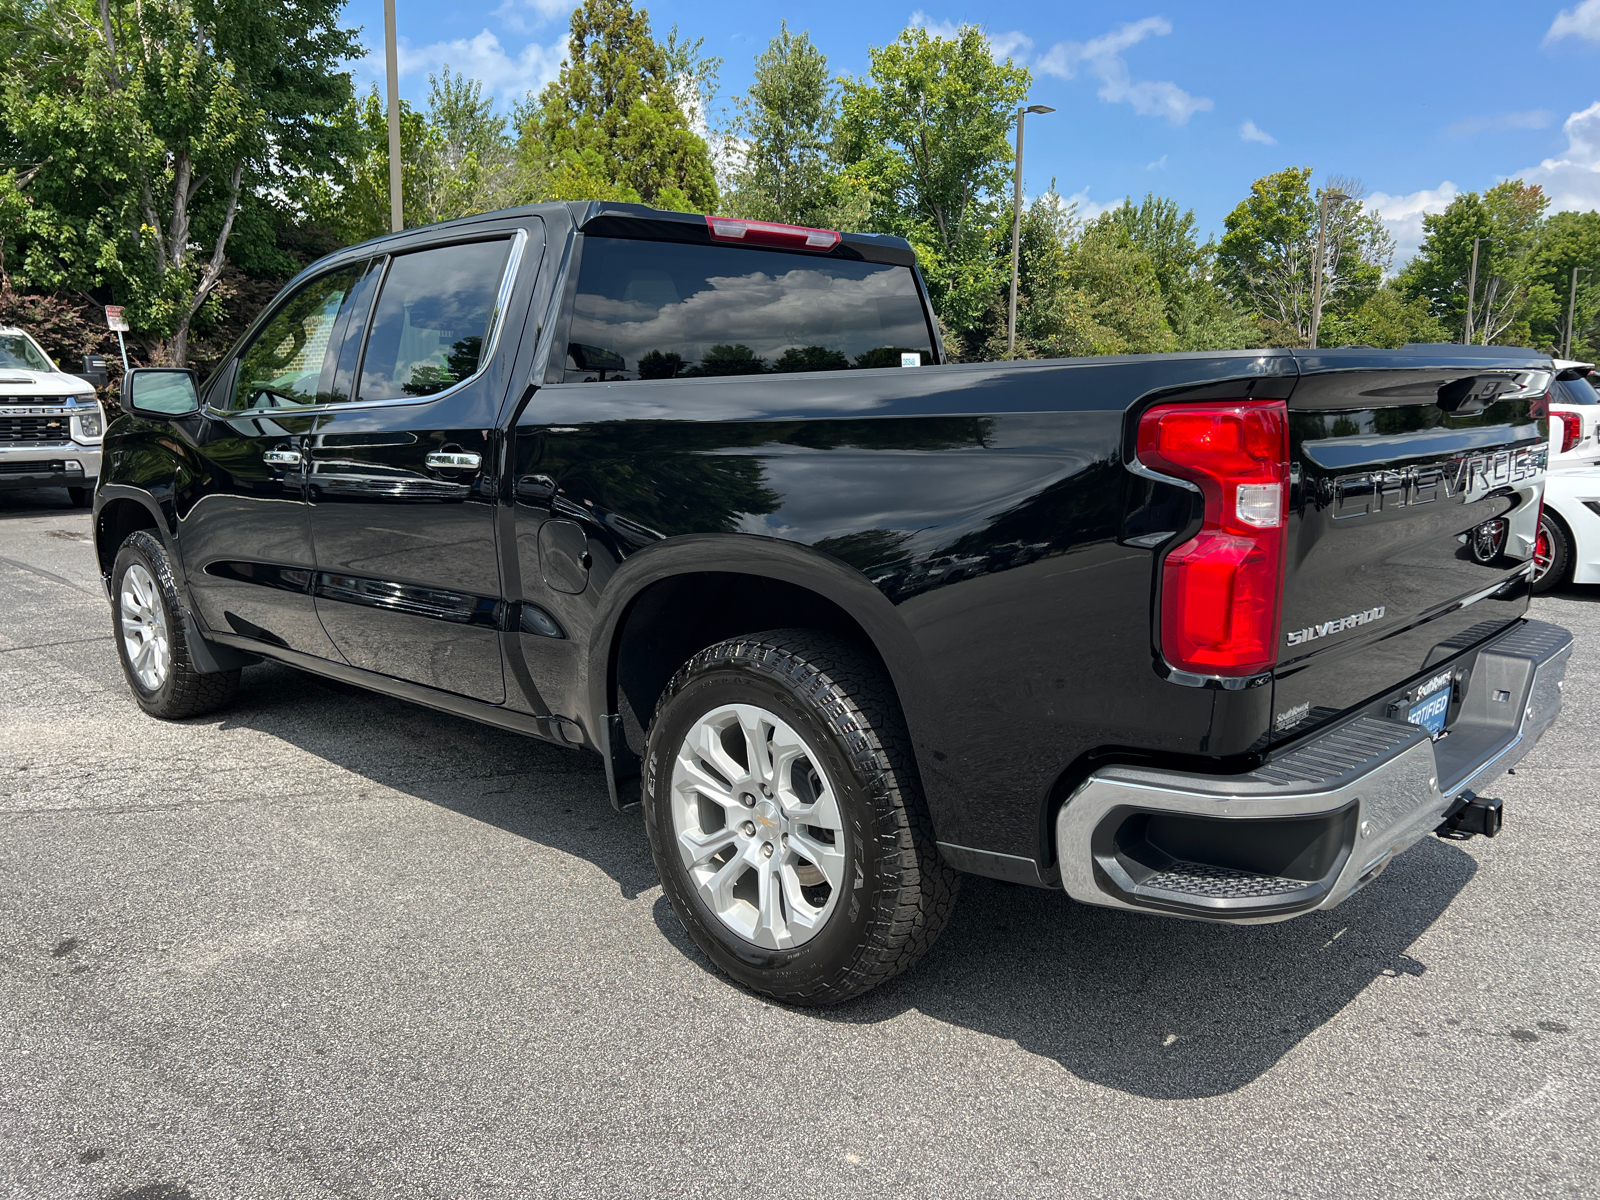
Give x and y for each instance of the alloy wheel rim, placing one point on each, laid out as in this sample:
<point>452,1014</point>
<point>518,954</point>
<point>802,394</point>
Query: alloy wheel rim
<point>144,628</point>
<point>757,826</point>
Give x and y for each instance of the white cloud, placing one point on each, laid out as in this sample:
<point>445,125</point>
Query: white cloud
<point>1251,132</point>
<point>1102,59</point>
<point>1088,209</point>
<point>1402,215</point>
<point>1158,165</point>
<point>524,16</point>
<point>1538,118</point>
<point>482,58</point>
<point>1001,45</point>
<point>1572,181</point>
<point>1580,22</point>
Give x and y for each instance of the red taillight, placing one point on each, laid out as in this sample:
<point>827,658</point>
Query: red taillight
<point>1571,429</point>
<point>770,233</point>
<point>1221,590</point>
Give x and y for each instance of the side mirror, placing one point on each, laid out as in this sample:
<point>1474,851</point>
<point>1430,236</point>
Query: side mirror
<point>160,392</point>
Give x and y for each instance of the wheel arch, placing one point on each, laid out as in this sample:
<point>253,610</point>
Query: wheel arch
<point>657,604</point>
<point>120,511</point>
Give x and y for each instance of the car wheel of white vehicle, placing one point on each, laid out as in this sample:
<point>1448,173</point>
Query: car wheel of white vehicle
<point>1552,555</point>
<point>81,497</point>
<point>147,620</point>
<point>786,820</point>
<point>1488,541</point>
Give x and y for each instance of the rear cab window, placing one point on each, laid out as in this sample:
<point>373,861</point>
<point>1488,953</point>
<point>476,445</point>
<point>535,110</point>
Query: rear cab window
<point>674,310</point>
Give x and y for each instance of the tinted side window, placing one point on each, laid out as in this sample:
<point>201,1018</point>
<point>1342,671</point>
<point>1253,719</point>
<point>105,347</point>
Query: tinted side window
<point>431,319</point>
<point>1578,391</point>
<point>662,310</point>
<point>291,361</point>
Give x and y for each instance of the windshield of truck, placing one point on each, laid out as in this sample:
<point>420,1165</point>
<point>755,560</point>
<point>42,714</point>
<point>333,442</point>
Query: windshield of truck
<point>19,353</point>
<point>664,310</point>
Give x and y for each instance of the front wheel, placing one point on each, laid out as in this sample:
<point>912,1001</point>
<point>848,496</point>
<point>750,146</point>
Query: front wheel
<point>81,497</point>
<point>151,638</point>
<point>786,820</point>
<point>1552,555</point>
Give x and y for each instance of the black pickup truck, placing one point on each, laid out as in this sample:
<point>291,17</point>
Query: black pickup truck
<point>1209,634</point>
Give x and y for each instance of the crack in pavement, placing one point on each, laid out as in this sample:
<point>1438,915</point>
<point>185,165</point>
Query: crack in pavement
<point>46,645</point>
<point>43,574</point>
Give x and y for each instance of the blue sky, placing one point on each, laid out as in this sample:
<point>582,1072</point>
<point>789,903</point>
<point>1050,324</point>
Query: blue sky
<point>1419,101</point>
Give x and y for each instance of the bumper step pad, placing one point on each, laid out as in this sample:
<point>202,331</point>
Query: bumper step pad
<point>1219,883</point>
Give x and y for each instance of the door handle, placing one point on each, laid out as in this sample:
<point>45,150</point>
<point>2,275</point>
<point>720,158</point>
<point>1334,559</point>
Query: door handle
<point>282,458</point>
<point>460,460</point>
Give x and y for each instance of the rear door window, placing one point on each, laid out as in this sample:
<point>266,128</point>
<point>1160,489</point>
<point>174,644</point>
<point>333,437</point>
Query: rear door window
<point>665,310</point>
<point>431,320</point>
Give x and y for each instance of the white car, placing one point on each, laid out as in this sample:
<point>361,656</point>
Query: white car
<point>51,424</point>
<point>1568,546</point>
<point>1574,417</point>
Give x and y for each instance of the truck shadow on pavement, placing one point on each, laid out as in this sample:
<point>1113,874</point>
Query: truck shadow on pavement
<point>1155,1007</point>
<point>1161,1008</point>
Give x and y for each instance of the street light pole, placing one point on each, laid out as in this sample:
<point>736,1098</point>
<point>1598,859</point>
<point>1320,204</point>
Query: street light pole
<point>1016,227</point>
<point>1572,307</point>
<point>397,220</point>
<point>1316,273</point>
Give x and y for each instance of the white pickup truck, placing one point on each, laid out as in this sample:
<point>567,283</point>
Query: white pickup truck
<point>50,422</point>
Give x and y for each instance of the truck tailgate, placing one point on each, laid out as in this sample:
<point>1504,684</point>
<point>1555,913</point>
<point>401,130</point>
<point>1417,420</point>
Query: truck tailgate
<point>1414,494</point>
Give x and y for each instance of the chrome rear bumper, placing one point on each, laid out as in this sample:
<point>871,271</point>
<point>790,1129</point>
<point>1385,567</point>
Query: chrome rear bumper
<point>1318,821</point>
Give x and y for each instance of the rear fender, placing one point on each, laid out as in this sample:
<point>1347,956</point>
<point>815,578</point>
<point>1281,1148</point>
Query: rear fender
<point>770,558</point>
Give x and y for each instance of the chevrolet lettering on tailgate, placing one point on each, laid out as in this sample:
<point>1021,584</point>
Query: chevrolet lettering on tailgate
<point>1472,476</point>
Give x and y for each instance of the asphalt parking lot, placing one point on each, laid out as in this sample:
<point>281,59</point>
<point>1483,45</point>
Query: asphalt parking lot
<point>329,944</point>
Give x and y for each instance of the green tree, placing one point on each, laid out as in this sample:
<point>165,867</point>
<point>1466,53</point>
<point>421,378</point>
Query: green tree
<point>1387,319</point>
<point>1511,296</point>
<point>470,161</point>
<point>142,141</point>
<point>788,171</point>
<point>1267,255</point>
<point>1569,240</point>
<point>351,200</point>
<point>613,125</point>
<point>926,137</point>
<point>1198,312</point>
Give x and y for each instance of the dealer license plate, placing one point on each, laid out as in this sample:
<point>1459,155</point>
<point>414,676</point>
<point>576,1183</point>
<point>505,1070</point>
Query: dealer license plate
<point>1430,713</point>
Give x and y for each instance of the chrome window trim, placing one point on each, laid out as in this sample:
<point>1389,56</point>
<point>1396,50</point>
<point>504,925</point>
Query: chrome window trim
<point>508,280</point>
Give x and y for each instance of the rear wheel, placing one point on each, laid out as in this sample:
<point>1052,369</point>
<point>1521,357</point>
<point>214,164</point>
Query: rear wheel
<point>786,820</point>
<point>1552,555</point>
<point>151,639</point>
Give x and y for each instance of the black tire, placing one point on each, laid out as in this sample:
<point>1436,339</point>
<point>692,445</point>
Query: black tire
<point>840,702</point>
<point>184,691</point>
<point>81,497</point>
<point>1553,534</point>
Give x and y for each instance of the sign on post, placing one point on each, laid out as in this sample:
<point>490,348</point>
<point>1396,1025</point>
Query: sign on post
<point>118,326</point>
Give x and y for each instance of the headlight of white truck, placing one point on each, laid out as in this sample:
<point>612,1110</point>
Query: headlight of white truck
<point>91,424</point>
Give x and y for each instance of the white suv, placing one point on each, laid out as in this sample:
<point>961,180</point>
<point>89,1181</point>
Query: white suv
<point>50,422</point>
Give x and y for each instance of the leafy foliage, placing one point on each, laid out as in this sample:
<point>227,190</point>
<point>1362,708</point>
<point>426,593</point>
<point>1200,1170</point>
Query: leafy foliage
<point>1267,256</point>
<point>613,125</point>
<point>1511,296</point>
<point>788,170</point>
<point>926,139</point>
<point>140,136</point>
